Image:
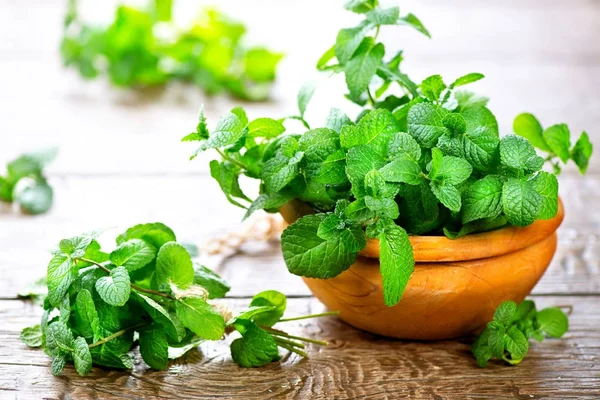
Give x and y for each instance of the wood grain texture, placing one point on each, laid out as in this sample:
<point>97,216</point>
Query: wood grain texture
<point>356,365</point>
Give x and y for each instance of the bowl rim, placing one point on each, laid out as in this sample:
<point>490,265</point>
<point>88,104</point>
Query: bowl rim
<point>469,247</point>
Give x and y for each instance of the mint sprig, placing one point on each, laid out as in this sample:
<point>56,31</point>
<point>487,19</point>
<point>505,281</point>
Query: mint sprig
<point>148,285</point>
<point>507,336</point>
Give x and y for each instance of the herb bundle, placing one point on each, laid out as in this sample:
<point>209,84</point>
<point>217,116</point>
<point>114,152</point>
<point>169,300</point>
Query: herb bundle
<point>506,336</point>
<point>147,291</point>
<point>25,183</point>
<point>132,52</point>
<point>427,162</point>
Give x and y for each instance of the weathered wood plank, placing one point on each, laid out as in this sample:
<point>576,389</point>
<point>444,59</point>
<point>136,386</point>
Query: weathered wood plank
<point>355,365</point>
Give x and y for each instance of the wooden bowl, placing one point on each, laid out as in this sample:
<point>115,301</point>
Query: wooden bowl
<point>456,285</point>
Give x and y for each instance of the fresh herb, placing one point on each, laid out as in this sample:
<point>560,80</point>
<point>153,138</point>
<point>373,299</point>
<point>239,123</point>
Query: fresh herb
<point>429,161</point>
<point>25,183</point>
<point>147,287</point>
<point>144,48</point>
<point>507,336</point>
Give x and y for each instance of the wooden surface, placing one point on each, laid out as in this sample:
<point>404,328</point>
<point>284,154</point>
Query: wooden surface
<point>121,163</point>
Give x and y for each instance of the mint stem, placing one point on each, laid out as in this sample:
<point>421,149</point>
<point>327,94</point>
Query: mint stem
<point>231,160</point>
<point>277,332</point>
<point>115,335</point>
<point>325,314</point>
<point>289,342</point>
<point>293,350</point>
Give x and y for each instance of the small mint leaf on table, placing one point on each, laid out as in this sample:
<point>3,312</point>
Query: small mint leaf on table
<point>269,298</point>
<point>155,234</point>
<point>32,336</point>
<point>553,322</point>
<point>58,364</point>
<point>255,348</point>
<point>114,289</point>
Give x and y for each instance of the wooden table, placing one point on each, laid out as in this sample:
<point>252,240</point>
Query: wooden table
<point>121,163</point>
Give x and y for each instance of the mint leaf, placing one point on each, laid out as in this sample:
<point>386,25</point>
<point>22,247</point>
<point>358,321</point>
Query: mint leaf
<point>171,325</point>
<point>384,16</point>
<point>255,348</point>
<point>154,347</point>
<point>452,170</point>
<point>527,126</point>
<point>505,313</point>
<point>58,364</point>
<point>198,316</point>
<point>361,160</point>
<point>279,171</point>
<point>558,138</point>
<point>432,87</point>
<point>481,349</point>
<point>466,79</point>
<point>376,130</point>
<point>304,96</point>
<point>447,194</point>
<point>412,20</point>
<point>360,6</point>
<point>468,100</point>
<point>306,254</point>
<point>217,287</point>
<point>496,338</point>
<point>133,254</point>
<point>86,316</point>
<point>61,274</point>
<point>337,119</point>
<point>520,202</point>
<point>32,336</point>
<point>36,199</point>
<point>265,127</point>
<point>174,265</point>
<point>82,357</point>
<point>581,152</point>
<point>348,40</point>
<point>362,66</point>
<point>155,234</point>
<point>404,170</point>
<point>397,262</point>
<point>546,185</point>
<point>426,124</point>
<point>114,289</point>
<point>482,199</point>
<point>402,144</point>
<point>227,175</point>
<point>552,321</point>
<point>271,298</point>
<point>455,123</point>
<point>519,155</point>
<point>516,344</point>
<point>228,130</point>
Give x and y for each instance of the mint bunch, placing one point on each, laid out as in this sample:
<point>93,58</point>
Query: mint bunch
<point>143,48</point>
<point>507,336</point>
<point>26,184</point>
<point>146,291</point>
<point>429,161</point>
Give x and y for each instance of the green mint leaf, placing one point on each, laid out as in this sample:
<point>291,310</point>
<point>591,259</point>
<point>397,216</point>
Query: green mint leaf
<point>348,40</point>
<point>174,265</point>
<point>482,199</point>
<point>227,175</point>
<point>201,132</point>
<point>468,100</point>
<point>361,160</point>
<point>518,154</point>
<point>114,289</point>
<point>270,298</point>
<point>505,313</point>
<point>376,129</point>
<point>479,144</point>
<point>325,58</point>
<point>155,234</point>
<point>61,273</point>
<point>269,201</point>
<point>59,339</point>
<point>558,138</point>
<point>351,237</point>
<point>241,114</point>
<point>82,358</point>
<point>447,194</point>
<point>199,317</point>
<point>432,87</point>
<point>154,347</point>
<point>452,170</point>
<point>306,254</point>
<point>36,199</point>
<point>171,325</point>
<point>426,123</point>
<point>527,126</point>
<point>32,336</point>
<point>86,316</point>
<point>304,96</point>
<point>466,79</point>
<point>279,171</point>
<point>481,225</point>
<point>397,262</point>
<point>496,338</point>
<point>217,287</point>
<point>516,344</point>
<point>255,348</point>
<point>520,202</point>
<point>480,348</point>
<point>553,322</point>
<point>65,310</point>
<point>133,254</point>
<point>384,16</point>
<point>546,185</point>
<point>412,20</point>
<point>112,354</point>
<point>265,127</point>
<point>404,170</point>
<point>384,208</point>
<point>228,130</point>
<point>363,65</point>
<point>332,171</point>
<point>525,311</point>
<point>581,152</point>
<point>337,119</point>
<point>360,6</point>
<point>58,364</point>
<point>402,144</point>
<point>455,123</point>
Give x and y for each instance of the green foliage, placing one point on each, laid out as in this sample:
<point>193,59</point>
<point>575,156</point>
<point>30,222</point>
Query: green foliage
<point>144,48</point>
<point>25,183</point>
<point>506,336</point>
<point>148,284</point>
<point>425,160</point>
